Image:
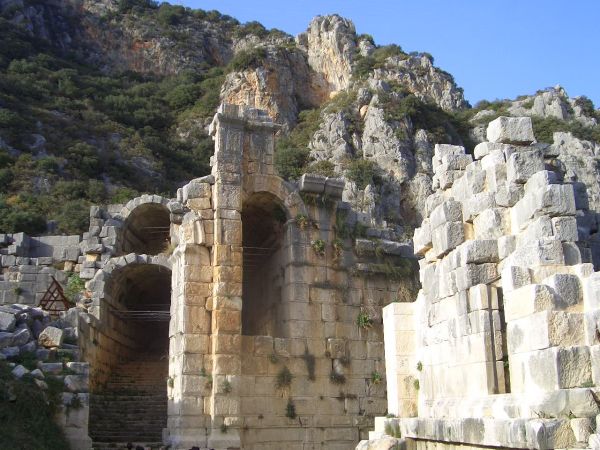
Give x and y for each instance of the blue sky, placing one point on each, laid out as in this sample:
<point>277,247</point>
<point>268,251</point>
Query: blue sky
<point>494,48</point>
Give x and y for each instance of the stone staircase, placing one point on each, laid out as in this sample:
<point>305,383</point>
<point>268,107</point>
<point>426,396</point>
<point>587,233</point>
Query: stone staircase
<point>132,408</point>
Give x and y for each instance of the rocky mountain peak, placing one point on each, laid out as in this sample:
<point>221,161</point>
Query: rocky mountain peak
<point>330,44</point>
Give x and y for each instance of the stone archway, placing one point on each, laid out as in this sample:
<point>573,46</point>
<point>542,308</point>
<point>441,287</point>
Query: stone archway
<point>146,226</point>
<point>129,363</point>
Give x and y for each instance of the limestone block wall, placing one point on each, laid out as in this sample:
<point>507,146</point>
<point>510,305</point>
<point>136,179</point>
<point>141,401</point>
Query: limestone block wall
<point>505,321</point>
<point>29,262</point>
<point>223,382</point>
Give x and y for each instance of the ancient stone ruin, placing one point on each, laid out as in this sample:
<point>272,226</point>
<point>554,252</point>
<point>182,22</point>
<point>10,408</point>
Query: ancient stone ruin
<point>500,348</point>
<point>242,314</point>
<point>254,313</point>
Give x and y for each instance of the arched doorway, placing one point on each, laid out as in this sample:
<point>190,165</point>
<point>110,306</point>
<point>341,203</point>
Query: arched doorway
<point>263,219</point>
<point>130,405</point>
<point>146,230</point>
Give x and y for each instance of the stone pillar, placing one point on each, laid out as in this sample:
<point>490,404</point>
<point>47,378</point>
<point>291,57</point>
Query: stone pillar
<point>400,364</point>
<point>227,271</point>
<point>189,384</point>
<point>237,131</point>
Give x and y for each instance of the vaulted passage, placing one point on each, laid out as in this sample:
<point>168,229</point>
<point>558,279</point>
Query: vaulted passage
<point>146,230</point>
<point>131,404</point>
<point>263,220</point>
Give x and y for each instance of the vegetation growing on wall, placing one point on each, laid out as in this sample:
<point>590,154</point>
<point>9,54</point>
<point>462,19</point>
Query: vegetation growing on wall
<point>26,414</point>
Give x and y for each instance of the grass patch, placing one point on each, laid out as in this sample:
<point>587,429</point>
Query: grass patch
<point>26,414</point>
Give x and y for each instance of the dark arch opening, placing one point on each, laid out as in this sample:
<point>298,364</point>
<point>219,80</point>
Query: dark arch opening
<point>131,403</point>
<point>146,230</point>
<point>263,219</point>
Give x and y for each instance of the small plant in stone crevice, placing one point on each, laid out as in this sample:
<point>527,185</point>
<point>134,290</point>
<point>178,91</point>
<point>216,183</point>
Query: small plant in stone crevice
<point>226,387</point>
<point>338,248</point>
<point>170,382</point>
<point>364,320</point>
<point>18,291</point>
<point>290,409</point>
<point>284,378</point>
<point>318,246</point>
<point>302,221</point>
<point>273,358</point>
<point>224,428</point>
<point>376,377</point>
<point>392,429</point>
<point>419,366</point>
<point>416,385</point>
<point>336,377</point>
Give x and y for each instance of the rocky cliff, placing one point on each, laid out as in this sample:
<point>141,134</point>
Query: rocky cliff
<point>123,91</point>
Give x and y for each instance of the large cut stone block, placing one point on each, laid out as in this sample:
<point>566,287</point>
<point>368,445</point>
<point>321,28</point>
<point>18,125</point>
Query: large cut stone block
<point>449,211</point>
<point>522,165</point>
<point>511,130</point>
<point>474,274</point>
<point>491,224</point>
<point>550,369</point>
<point>51,337</point>
<point>567,287</point>
<point>542,252</point>
<point>447,237</point>
<point>544,329</point>
<point>529,299</point>
<point>422,238</point>
<point>478,251</point>
<point>591,292</point>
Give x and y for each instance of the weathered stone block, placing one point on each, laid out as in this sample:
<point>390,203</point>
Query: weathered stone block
<point>448,211</point>
<point>7,321</point>
<point>550,369</point>
<point>51,337</point>
<point>522,165</point>
<point>422,238</point>
<point>473,274</point>
<point>447,237</point>
<point>478,251</point>
<point>490,224</point>
<point>511,130</point>
<point>565,229</point>
<point>567,287</point>
<point>544,329</point>
<point>529,299</point>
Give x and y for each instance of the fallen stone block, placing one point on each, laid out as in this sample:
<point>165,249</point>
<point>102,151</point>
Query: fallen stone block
<point>7,321</point>
<point>511,130</point>
<point>21,337</point>
<point>52,368</point>
<point>76,383</point>
<point>19,371</point>
<point>51,337</point>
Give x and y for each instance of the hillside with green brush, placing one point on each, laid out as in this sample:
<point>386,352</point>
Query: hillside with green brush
<point>101,100</point>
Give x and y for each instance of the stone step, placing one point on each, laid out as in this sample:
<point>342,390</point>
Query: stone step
<point>123,445</point>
